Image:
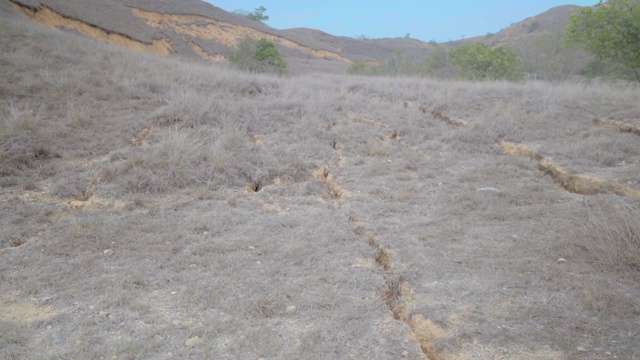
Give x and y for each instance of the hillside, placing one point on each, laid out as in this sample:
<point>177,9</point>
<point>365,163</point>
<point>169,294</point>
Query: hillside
<point>195,29</point>
<point>158,207</point>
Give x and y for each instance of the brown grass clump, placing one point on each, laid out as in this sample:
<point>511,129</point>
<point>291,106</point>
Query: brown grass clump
<point>383,258</point>
<point>392,293</point>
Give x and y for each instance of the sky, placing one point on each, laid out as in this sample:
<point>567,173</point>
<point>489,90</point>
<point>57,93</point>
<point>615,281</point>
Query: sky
<point>424,20</point>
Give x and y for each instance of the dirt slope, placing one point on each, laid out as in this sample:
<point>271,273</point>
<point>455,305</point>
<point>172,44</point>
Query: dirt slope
<point>191,28</point>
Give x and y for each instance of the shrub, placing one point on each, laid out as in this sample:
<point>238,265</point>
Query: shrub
<point>258,56</point>
<point>481,62</point>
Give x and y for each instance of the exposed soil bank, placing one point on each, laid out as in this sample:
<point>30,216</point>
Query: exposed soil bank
<point>55,20</point>
<point>576,183</point>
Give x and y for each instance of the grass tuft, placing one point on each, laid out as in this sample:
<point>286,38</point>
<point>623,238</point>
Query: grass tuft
<point>610,233</point>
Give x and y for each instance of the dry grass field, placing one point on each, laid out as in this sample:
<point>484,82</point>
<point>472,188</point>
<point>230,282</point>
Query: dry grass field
<point>153,208</point>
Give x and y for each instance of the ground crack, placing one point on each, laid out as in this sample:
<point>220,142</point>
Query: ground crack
<point>395,293</point>
<point>437,113</point>
<point>575,183</point>
<point>396,289</point>
<point>618,125</point>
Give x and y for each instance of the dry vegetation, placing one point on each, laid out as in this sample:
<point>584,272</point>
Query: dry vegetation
<point>157,208</point>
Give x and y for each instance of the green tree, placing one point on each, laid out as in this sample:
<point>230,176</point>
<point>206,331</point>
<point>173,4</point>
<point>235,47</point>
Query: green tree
<point>256,15</point>
<point>258,56</point>
<point>611,31</point>
<point>480,62</point>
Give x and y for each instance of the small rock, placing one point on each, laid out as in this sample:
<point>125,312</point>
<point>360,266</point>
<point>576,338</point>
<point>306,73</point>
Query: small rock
<point>196,340</point>
<point>251,248</point>
<point>108,252</point>
<point>193,266</point>
<point>173,292</point>
<point>405,354</point>
<point>76,204</point>
<point>292,309</point>
<point>561,260</point>
<point>581,349</point>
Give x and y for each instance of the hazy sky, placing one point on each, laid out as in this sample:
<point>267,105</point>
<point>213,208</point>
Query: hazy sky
<point>424,20</point>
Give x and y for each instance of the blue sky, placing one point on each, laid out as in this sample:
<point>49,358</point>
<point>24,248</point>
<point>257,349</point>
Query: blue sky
<point>425,20</point>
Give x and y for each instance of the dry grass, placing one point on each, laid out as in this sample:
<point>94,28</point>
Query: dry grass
<point>610,233</point>
<point>159,208</point>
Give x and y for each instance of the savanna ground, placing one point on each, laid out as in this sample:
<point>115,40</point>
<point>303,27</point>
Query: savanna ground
<point>158,208</point>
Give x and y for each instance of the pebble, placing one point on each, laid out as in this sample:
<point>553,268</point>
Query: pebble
<point>108,252</point>
<point>196,340</point>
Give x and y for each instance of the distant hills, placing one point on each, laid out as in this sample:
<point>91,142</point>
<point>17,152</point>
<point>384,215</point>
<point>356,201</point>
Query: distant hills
<point>196,29</point>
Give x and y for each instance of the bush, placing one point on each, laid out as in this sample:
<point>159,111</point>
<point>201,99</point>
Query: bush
<point>481,62</point>
<point>258,56</point>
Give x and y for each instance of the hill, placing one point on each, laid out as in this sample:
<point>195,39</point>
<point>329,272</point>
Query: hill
<point>195,29</point>
<point>168,208</point>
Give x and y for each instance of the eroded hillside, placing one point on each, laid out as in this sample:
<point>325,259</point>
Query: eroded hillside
<point>198,30</point>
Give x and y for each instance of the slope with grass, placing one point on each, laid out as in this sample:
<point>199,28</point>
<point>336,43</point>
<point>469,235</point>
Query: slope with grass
<point>158,208</point>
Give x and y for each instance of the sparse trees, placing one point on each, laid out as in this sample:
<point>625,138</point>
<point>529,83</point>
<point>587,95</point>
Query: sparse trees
<point>258,56</point>
<point>611,30</point>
